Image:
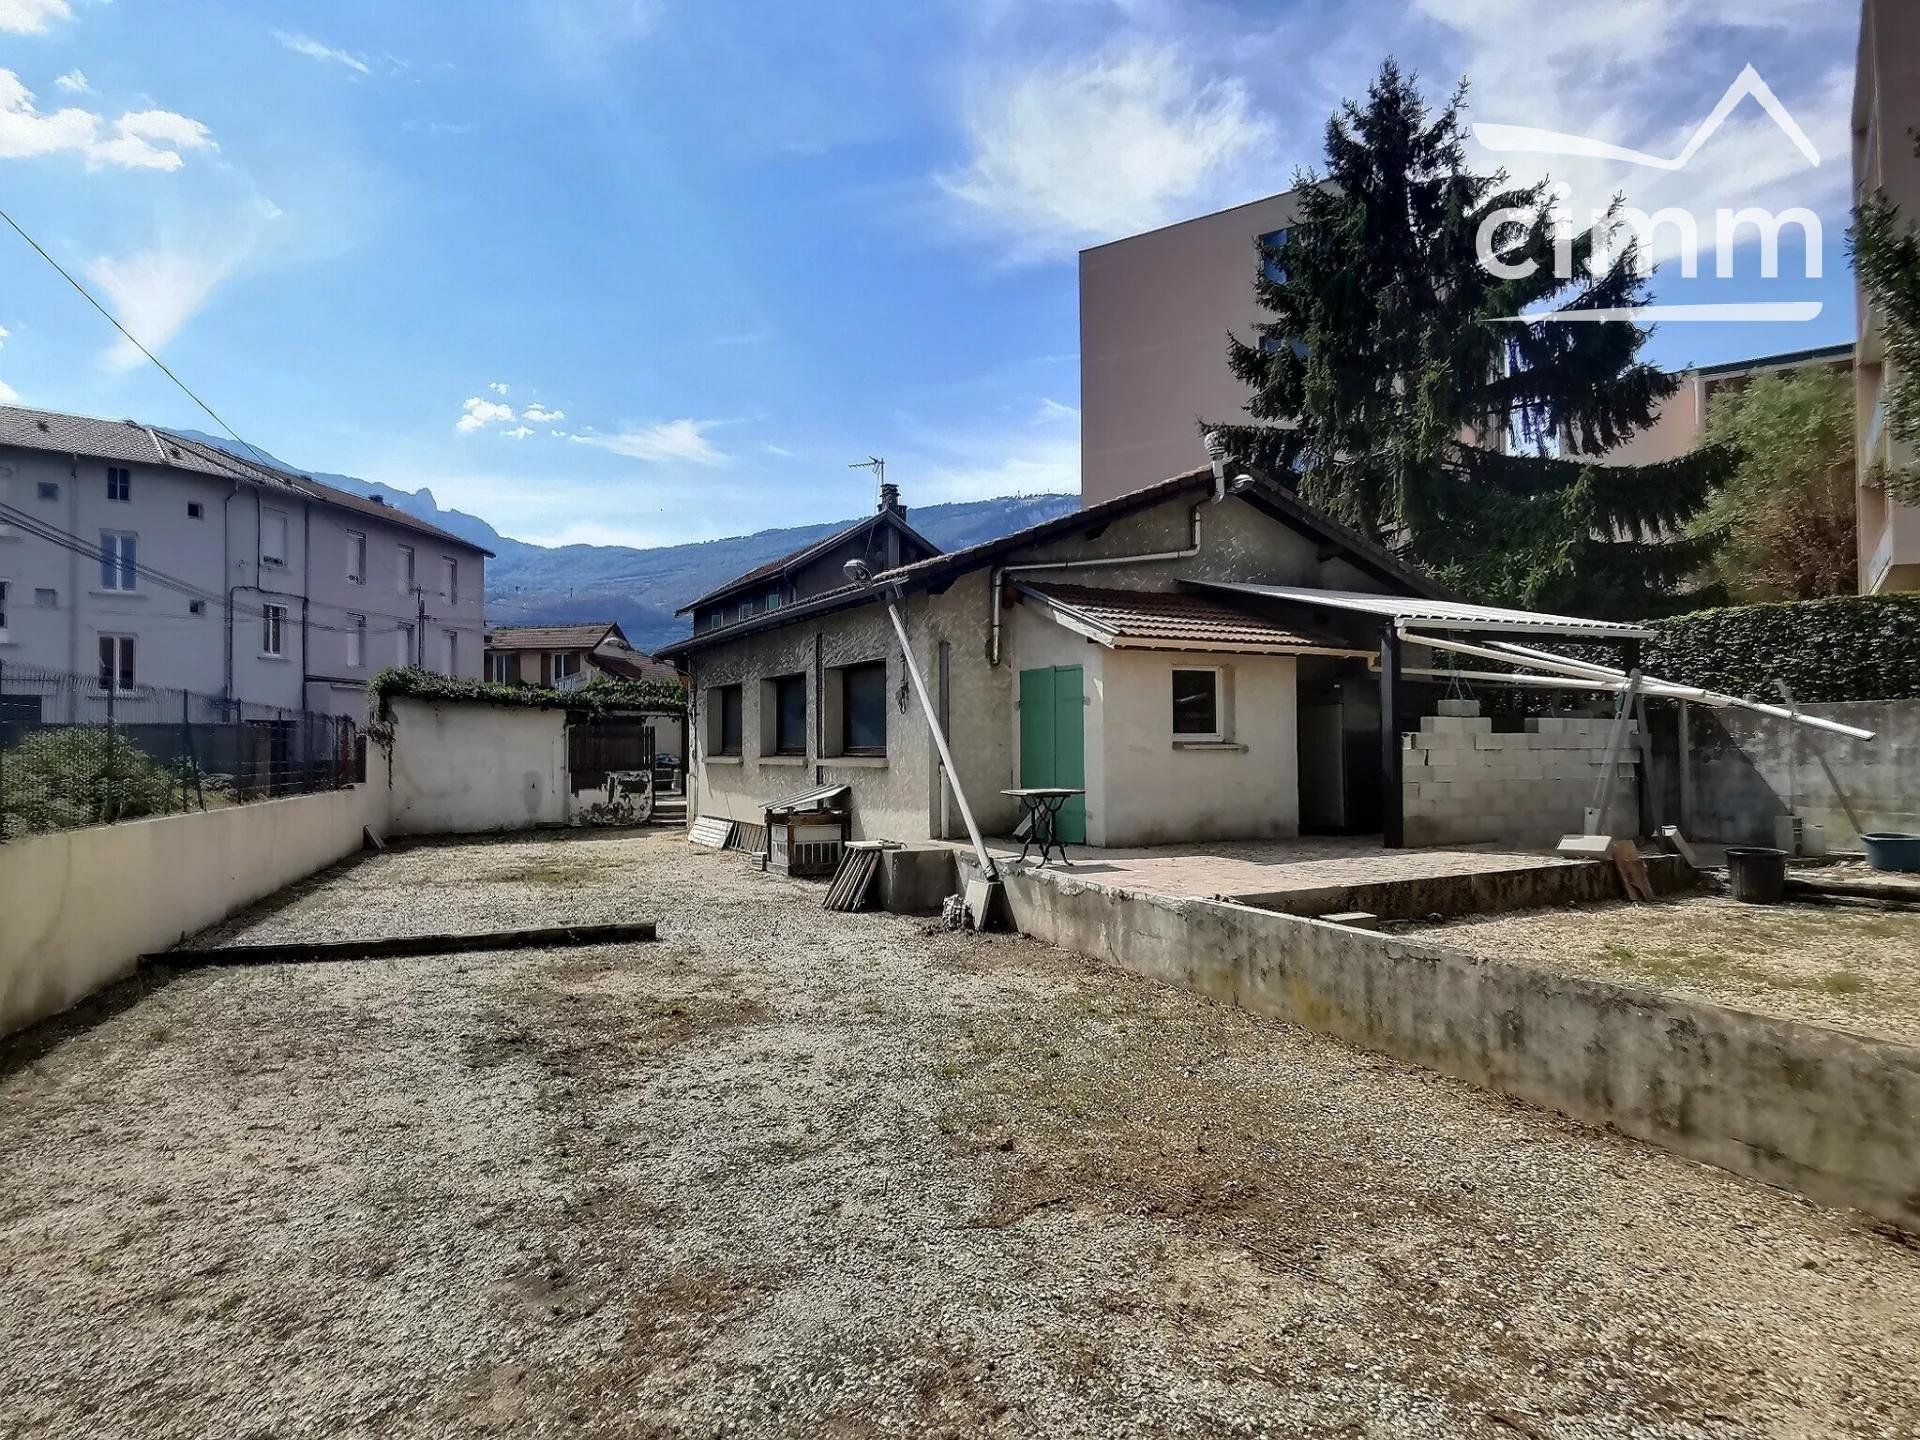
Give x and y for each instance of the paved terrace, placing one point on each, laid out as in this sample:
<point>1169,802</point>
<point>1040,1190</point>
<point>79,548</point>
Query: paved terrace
<point>788,1172</point>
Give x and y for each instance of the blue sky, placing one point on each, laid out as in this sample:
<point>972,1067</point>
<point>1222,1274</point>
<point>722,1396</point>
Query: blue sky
<point>645,271</point>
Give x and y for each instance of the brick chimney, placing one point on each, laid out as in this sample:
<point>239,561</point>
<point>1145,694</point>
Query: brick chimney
<point>890,500</point>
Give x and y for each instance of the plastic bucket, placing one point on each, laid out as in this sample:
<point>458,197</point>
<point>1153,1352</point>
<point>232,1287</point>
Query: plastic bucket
<point>1892,850</point>
<point>1758,874</point>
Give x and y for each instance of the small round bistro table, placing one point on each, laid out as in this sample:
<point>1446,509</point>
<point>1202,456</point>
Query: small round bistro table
<point>1041,805</point>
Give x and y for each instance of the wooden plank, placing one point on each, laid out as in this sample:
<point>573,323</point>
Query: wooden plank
<point>549,937</point>
<point>852,880</point>
<point>713,831</point>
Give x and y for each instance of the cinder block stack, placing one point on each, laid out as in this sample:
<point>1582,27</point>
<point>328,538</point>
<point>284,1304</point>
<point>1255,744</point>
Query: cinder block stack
<point>1465,783</point>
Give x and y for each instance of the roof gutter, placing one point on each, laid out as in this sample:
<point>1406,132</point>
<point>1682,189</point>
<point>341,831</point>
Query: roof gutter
<point>1000,573</point>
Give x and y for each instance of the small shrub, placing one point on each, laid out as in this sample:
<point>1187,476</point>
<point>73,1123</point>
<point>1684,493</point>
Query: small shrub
<point>61,779</point>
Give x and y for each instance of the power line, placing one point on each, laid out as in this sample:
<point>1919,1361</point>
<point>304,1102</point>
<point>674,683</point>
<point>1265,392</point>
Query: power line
<point>131,338</point>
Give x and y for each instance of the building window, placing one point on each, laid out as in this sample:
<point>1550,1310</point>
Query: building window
<point>788,695</point>
<point>563,665</point>
<point>195,510</point>
<point>405,570</point>
<point>746,609</point>
<point>273,537</point>
<point>500,667</point>
<point>453,651</point>
<point>356,558</point>
<point>116,662</point>
<point>863,709</point>
<point>119,483</point>
<point>118,568</point>
<point>723,720</point>
<point>49,489</point>
<point>1196,705</point>
<point>356,641</point>
<point>273,630</point>
<point>196,607</point>
<point>46,599</point>
<point>403,645</point>
<point>1270,265</point>
<point>773,600</point>
<point>451,586</point>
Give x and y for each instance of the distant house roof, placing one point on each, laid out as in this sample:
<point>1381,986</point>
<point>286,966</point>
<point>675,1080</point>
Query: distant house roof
<point>138,444</point>
<point>935,571</point>
<point>1178,620</point>
<point>788,563</point>
<point>583,636</point>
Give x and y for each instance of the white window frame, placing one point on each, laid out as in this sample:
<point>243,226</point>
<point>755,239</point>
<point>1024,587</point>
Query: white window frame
<point>122,643</point>
<point>356,557</point>
<point>502,667</point>
<point>1218,734</point>
<point>450,576</point>
<point>121,575</point>
<point>273,632</point>
<point>563,665</point>
<point>356,642</point>
<point>403,568</point>
<point>270,519</point>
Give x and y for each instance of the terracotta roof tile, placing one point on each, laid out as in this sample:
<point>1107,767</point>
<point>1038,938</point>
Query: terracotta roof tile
<point>1178,619</point>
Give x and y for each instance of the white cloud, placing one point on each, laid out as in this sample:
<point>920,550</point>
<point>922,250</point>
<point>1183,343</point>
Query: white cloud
<point>138,140</point>
<point>540,415</point>
<point>519,432</point>
<point>1061,154</point>
<point>558,434</point>
<point>670,440</point>
<point>75,81</point>
<point>477,414</point>
<point>31,17</point>
<point>1052,412</point>
<point>154,292</point>
<point>768,448</point>
<point>8,395</point>
<point>318,50</point>
<point>1039,457</point>
<point>499,387</point>
<point>4,332</point>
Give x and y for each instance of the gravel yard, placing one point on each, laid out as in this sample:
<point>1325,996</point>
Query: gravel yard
<point>791,1172</point>
<point>1858,970</point>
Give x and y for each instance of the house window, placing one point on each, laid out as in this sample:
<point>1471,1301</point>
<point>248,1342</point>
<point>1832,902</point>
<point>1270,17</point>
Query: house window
<point>789,714</point>
<point>1270,265</point>
<point>863,709</point>
<point>405,569</point>
<point>403,645</point>
<point>195,510</point>
<point>1196,705</point>
<point>453,651</point>
<point>563,665</point>
<point>119,483</point>
<point>273,630</point>
<point>194,607</point>
<point>118,568</point>
<point>356,641</point>
<point>746,609</point>
<point>273,537</point>
<point>451,587</point>
<point>773,600</point>
<point>500,668</point>
<point>723,720</point>
<point>116,662</point>
<point>46,599</point>
<point>49,489</point>
<point>356,558</point>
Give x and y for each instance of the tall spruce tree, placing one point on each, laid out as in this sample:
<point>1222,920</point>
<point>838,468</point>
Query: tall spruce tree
<point>1386,388</point>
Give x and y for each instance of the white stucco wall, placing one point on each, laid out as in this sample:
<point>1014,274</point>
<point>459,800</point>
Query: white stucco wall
<point>79,907</point>
<point>464,769</point>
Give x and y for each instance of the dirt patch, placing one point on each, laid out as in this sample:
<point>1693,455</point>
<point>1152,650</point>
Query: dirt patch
<point>1852,969</point>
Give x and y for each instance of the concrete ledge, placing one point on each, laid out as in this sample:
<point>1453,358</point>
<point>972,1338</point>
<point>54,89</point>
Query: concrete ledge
<point>1831,1115</point>
<point>1523,887</point>
<point>916,880</point>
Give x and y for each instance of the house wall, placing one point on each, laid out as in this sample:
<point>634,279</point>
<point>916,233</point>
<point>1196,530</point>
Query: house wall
<point>465,769</point>
<point>83,905</point>
<point>1155,311</point>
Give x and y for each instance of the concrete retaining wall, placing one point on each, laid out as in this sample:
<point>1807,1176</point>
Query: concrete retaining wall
<point>1479,892</point>
<point>79,907</point>
<point>1830,1115</point>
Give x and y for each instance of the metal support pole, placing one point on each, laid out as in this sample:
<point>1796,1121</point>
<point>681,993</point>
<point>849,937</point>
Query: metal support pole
<point>1686,770</point>
<point>1393,825</point>
<point>1598,812</point>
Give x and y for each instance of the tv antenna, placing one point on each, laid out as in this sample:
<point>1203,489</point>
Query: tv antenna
<point>877,464</point>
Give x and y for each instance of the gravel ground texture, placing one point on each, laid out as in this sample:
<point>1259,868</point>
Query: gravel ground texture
<point>1852,969</point>
<point>787,1172</point>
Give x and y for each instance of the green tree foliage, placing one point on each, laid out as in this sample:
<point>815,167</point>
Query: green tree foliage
<point>1787,510</point>
<point>61,779</point>
<point>1886,257</point>
<point>1387,388</point>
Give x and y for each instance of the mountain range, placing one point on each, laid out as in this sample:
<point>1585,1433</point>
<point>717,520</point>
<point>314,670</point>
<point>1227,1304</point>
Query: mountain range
<point>641,588</point>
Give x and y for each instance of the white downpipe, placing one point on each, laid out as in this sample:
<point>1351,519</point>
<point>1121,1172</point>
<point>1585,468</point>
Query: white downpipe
<point>940,740</point>
<point>1002,571</point>
<point>1615,679</point>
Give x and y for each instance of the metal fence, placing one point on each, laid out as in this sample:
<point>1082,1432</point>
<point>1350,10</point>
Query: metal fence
<point>88,750</point>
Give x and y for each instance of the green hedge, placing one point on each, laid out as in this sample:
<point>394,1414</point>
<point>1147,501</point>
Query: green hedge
<point>597,697</point>
<point>1854,647</point>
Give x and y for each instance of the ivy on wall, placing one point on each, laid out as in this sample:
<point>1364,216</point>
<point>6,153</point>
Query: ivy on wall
<point>1852,647</point>
<point>597,697</point>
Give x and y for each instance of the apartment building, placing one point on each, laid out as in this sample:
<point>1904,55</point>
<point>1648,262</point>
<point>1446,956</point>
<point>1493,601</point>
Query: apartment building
<point>1680,425</point>
<point>149,558</point>
<point>1886,109</point>
<point>1155,311</point>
